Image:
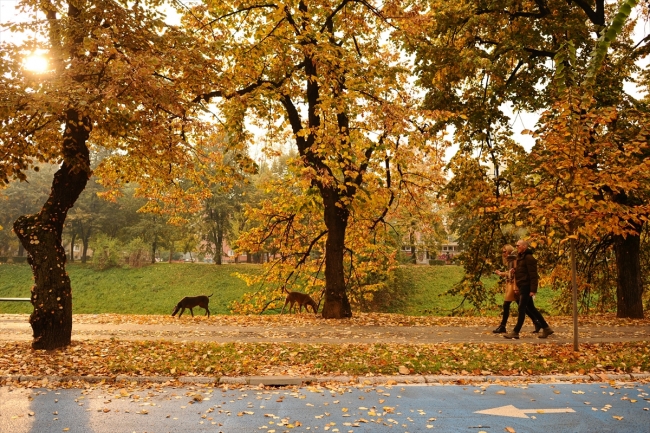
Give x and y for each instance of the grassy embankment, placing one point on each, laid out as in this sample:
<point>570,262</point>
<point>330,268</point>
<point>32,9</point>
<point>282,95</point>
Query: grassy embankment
<point>156,289</point>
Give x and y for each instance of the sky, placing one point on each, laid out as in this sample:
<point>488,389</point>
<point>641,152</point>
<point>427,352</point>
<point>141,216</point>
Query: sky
<point>7,14</point>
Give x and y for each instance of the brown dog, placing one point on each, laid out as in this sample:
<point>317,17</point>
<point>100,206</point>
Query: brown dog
<point>191,302</point>
<point>302,299</point>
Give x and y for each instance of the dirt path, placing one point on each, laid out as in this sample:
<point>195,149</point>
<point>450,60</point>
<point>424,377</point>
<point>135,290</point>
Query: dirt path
<point>308,330</point>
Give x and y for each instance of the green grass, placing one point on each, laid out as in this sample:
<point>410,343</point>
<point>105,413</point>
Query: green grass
<point>149,290</point>
<point>156,289</point>
<point>427,287</point>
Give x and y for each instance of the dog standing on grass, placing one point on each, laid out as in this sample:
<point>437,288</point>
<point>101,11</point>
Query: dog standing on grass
<point>302,299</point>
<point>191,302</point>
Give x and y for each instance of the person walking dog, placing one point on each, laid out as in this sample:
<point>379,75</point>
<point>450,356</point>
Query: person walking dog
<point>511,294</point>
<point>527,279</point>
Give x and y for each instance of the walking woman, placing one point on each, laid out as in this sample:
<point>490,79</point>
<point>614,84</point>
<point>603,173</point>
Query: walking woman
<point>527,280</point>
<point>509,257</point>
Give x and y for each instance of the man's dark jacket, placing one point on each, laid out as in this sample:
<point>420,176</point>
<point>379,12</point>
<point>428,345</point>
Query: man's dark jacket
<point>526,272</point>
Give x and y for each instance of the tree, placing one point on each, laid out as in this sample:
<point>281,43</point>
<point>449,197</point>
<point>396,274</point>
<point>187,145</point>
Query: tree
<point>102,87</point>
<point>329,72</point>
<point>591,163</point>
<point>479,59</point>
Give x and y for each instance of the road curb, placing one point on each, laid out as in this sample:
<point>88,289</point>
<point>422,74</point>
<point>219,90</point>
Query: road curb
<point>302,380</point>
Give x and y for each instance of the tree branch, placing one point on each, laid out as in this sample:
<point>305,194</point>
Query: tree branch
<point>246,9</point>
<point>543,11</point>
<point>597,17</point>
<point>329,20</point>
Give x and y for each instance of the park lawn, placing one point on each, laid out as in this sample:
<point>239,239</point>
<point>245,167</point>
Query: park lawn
<point>157,288</point>
<point>427,287</point>
<point>151,289</point>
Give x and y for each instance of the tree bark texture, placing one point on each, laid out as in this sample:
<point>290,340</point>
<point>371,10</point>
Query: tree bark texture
<point>40,234</point>
<point>629,284</point>
<point>337,304</point>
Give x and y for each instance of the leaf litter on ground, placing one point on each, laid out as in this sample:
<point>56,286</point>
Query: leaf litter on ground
<point>113,357</point>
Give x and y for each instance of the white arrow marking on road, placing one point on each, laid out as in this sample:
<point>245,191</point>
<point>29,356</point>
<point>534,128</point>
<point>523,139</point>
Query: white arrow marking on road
<point>512,411</point>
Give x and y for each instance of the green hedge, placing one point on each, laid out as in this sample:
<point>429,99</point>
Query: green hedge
<point>5,259</point>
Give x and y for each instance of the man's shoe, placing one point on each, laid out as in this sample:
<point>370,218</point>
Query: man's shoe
<point>512,335</point>
<point>500,330</point>
<point>537,328</point>
<point>545,332</point>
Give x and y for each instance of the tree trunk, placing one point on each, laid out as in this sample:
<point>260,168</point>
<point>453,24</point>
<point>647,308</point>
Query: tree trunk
<point>218,247</point>
<point>171,252</point>
<point>74,237</point>
<point>337,305</point>
<point>40,234</point>
<point>629,285</point>
<point>85,238</point>
<point>154,247</point>
<point>412,242</point>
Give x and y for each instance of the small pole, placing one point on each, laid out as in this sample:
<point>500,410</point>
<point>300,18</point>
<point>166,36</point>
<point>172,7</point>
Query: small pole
<point>574,285</point>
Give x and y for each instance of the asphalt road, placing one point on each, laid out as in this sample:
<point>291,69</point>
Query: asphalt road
<point>487,408</point>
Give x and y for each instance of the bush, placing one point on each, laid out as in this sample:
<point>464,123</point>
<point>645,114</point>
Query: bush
<point>382,292</point>
<point>137,253</point>
<point>16,259</point>
<point>106,252</point>
<point>436,262</point>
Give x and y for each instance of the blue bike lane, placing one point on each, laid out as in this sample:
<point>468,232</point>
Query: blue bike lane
<point>336,408</point>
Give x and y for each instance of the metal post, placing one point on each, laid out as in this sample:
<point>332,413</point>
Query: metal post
<point>574,285</point>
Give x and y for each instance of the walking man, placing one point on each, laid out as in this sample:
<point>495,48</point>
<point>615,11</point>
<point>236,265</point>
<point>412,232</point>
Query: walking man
<point>527,279</point>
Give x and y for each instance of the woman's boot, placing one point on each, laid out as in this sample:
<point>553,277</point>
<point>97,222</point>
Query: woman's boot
<point>506,313</point>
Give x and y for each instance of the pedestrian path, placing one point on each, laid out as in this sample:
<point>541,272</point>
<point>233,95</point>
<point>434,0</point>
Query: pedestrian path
<point>17,328</point>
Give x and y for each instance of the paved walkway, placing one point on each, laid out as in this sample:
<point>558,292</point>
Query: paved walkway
<point>17,328</point>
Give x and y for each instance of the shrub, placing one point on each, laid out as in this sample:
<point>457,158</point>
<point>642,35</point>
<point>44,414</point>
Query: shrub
<point>106,252</point>
<point>436,262</point>
<point>137,253</point>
